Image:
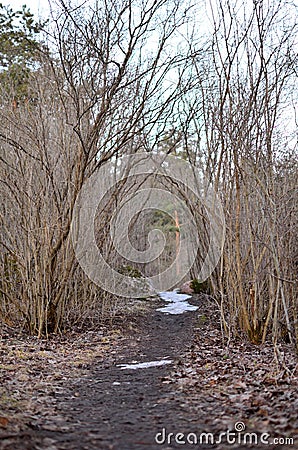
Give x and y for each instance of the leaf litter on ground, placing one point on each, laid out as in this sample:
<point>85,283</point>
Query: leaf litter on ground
<point>215,381</point>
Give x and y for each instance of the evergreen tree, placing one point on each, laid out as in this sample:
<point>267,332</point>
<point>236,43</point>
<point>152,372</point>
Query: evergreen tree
<point>19,50</point>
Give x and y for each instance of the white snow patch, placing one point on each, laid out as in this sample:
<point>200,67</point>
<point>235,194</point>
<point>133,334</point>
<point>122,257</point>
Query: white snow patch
<point>144,365</point>
<point>178,304</point>
<point>173,296</point>
<point>179,308</point>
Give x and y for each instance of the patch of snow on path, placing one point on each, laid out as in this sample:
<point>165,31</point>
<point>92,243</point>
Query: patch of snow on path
<point>178,305</point>
<point>145,365</point>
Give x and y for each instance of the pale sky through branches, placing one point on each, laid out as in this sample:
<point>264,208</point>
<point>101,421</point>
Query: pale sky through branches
<point>37,7</point>
<point>201,20</point>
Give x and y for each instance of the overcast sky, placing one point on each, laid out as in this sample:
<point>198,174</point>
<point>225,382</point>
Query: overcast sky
<point>38,7</point>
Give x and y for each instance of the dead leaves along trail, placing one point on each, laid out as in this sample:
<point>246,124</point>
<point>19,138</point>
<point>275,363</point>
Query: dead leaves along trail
<point>69,393</point>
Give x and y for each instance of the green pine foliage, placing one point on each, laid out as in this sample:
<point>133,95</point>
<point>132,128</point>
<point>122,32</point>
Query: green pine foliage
<point>19,50</point>
<point>200,286</point>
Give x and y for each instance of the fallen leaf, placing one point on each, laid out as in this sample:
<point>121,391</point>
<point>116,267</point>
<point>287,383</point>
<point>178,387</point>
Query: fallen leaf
<point>4,422</point>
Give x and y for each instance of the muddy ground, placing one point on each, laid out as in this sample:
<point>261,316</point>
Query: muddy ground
<point>71,392</point>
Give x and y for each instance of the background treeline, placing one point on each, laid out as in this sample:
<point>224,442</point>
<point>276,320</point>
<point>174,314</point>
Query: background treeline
<point>111,78</point>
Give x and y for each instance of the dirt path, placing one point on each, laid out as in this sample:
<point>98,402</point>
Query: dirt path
<point>124,409</point>
<point>115,408</point>
<point>207,388</point>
